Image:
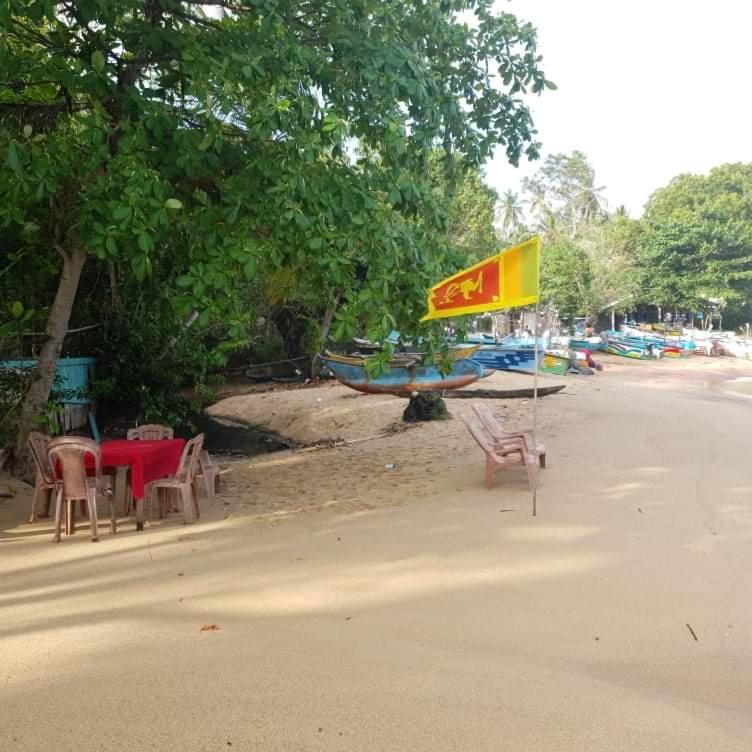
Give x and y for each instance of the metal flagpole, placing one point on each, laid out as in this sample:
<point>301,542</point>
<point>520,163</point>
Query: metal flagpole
<point>535,413</point>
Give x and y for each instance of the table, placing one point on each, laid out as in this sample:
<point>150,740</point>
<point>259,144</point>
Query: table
<point>146,460</point>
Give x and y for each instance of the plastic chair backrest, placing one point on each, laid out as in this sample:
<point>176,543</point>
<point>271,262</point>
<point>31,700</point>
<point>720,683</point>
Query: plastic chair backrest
<point>477,433</point>
<point>67,457</point>
<point>189,459</point>
<point>488,420</point>
<point>150,432</point>
<point>38,445</point>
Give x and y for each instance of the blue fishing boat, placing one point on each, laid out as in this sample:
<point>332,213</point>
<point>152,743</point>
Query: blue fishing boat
<point>403,377</point>
<point>512,353</point>
<point>503,358</point>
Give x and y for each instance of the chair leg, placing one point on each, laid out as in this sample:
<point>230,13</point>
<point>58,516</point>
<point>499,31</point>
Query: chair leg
<point>70,517</point>
<point>113,513</point>
<point>542,459</point>
<point>210,480</point>
<point>34,498</point>
<point>490,470</point>
<point>186,496</point>
<point>194,497</point>
<point>58,515</point>
<point>127,493</point>
<point>92,504</point>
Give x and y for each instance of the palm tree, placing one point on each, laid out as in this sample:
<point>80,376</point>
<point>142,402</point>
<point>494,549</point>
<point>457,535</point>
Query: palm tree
<point>510,213</point>
<point>590,202</point>
<point>547,225</point>
<point>537,203</point>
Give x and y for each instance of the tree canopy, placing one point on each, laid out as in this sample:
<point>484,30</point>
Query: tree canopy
<point>695,241</point>
<point>223,148</point>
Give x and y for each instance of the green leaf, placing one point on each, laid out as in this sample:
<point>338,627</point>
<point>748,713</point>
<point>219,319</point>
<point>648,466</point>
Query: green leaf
<point>250,268</point>
<point>97,61</point>
<point>138,264</point>
<point>550,85</point>
<point>111,245</point>
<point>206,142</point>
<point>14,160</point>
<point>17,309</point>
<point>315,243</point>
<point>173,203</point>
<point>145,242</point>
<point>121,213</point>
<point>27,131</point>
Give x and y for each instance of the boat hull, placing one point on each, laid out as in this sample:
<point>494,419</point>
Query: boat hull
<point>593,344</point>
<point>505,359</point>
<point>629,351</point>
<point>404,380</point>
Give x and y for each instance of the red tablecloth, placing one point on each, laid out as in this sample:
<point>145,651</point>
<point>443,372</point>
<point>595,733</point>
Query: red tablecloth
<point>148,460</point>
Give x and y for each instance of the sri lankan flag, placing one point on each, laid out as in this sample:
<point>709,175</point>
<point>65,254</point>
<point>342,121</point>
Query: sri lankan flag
<point>507,280</point>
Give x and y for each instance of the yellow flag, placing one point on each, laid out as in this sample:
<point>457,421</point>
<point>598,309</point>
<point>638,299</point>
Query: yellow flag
<point>506,280</point>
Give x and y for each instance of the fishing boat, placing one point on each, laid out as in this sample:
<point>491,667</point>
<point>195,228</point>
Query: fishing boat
<point>555,363</point>
<point>506,358</point>
<point>615,347</point>
<point>586,343</point>
<point>404,376</point>
<point>455,352</point>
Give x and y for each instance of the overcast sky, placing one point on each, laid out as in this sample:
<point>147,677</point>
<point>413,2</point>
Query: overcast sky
<point>648,89</point>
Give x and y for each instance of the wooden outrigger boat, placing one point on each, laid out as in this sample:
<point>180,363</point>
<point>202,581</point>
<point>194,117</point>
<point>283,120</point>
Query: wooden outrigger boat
<point>404,376</point>
<point>456,352</point>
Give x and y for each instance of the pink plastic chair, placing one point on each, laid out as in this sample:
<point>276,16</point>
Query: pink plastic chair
<point>182,483</point>
<point>45,483</point>
<point>494,427</point>
<point>150,432</point>
<point>146,432</point>
<point>500,457</point>
<point>67,457</point>
<point>209,472</point>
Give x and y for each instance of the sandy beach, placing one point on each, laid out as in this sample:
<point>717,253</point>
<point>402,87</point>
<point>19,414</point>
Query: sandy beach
<point>326,602</point>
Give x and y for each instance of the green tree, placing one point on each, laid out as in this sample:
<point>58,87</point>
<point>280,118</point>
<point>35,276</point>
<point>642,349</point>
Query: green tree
<point>212,140</point>
<point>694,242</point>
<point>565,185</point>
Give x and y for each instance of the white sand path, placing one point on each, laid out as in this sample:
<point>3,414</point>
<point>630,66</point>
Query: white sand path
<point>452,622</point>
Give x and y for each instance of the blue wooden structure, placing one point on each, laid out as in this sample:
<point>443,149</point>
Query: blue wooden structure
<point>72,380</point>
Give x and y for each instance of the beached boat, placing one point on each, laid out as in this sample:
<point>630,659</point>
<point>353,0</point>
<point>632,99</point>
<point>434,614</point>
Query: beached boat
<point>554,363</point>
<point>403,377</point>
<point>586,343</point>
<point>625,350</point>
<point>506,358</point>
<point>456,352</point>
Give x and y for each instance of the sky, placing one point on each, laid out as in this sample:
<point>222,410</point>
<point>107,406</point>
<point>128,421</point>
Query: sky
<point>648,89</point>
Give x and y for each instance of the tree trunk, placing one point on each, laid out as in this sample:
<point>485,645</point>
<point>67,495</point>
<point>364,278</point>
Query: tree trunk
<point>43,375</point>
<point>326,325</point>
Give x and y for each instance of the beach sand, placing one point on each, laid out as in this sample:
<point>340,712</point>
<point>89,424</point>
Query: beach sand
<point>364,608</point>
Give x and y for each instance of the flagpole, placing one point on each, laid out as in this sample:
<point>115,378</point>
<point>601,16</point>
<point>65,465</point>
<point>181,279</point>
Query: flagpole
<point>535,414</point>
